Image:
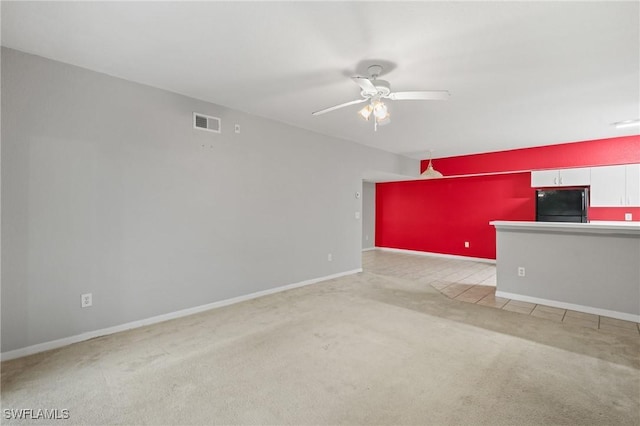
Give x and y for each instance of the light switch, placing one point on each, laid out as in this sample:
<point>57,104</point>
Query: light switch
<point>357,215</point>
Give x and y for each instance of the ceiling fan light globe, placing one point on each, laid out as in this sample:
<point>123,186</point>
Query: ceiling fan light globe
<point>383,121</point>
<point>380,111</point>
<point>365,112</point>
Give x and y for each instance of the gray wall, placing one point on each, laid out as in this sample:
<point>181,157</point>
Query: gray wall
<point>368,215</point>
<point>588,269</point>
<point>108,189</point>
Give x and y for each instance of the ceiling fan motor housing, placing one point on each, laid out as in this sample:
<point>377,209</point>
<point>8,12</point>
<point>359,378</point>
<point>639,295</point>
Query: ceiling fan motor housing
<point>383,88</point>
<point>374,70</point>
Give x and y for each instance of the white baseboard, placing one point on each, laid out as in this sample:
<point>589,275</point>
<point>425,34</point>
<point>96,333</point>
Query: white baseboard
<point>431,254</point>
<point>563,305</point>
<point>368,248</point>
<point>54,344</point>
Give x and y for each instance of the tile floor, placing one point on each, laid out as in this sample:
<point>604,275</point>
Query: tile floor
<point>474,282</point>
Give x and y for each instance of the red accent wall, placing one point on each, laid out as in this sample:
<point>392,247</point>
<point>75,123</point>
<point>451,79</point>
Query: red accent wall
<point>440,215</point>
<point>613,213</point>
<point>602,152</point>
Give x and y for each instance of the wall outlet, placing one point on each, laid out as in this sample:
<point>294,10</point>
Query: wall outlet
<point>237,128</point>
<point>466,244</point>
<point>521,271</point>
<point>86,300</point>
<point>628,216</point>
<point>357,215</point>
<point>329,257</point>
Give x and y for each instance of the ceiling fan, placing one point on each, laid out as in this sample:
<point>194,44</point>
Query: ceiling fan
<point>374,90</point>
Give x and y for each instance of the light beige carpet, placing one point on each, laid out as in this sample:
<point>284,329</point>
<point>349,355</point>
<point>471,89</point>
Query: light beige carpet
<point>364,349</point>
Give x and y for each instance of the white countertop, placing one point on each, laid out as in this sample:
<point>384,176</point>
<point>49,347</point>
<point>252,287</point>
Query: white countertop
<point>600,227</point>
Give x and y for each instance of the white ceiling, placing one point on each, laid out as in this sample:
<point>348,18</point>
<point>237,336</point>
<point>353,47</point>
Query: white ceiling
<point>520,73</point>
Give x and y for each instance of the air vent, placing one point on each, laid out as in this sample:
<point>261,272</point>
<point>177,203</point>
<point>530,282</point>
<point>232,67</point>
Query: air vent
<point>206,122</point>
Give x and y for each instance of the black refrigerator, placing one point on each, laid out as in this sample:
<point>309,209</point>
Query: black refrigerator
<point>562,205</point>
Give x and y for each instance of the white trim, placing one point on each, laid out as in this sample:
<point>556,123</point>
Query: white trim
<point>404,178</point>
<point>487,173</point>
<point>563,305</point>
<point>369,248</point>
<point>431,254</point>
<point>54,344</point>
<point>608,227</point>
<point>616,222</point>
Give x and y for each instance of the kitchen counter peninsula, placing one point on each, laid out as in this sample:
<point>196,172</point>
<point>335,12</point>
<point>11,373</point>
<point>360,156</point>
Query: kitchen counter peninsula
<point>588,267</point>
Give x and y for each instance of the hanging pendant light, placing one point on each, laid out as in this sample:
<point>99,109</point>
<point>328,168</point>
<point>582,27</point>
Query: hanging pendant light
<point>430,172</point>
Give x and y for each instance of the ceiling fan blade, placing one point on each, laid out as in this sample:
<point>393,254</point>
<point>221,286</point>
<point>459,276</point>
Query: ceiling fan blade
<point>322,111</point>
<point>365,84</point>
<point>420,95</point>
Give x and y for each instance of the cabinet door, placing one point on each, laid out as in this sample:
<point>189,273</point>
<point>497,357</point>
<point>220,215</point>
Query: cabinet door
<point>575,177</point>
<point>608,186</point>
<point>633,185</point>
<point>542,178</point>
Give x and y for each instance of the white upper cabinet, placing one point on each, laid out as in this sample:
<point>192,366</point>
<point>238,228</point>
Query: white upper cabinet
<point>615,186</point>
<point>633,184</point>
<point>607,186</point>
<point>575,177</point>
<point>540,178</point>
<point>564,177</point>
